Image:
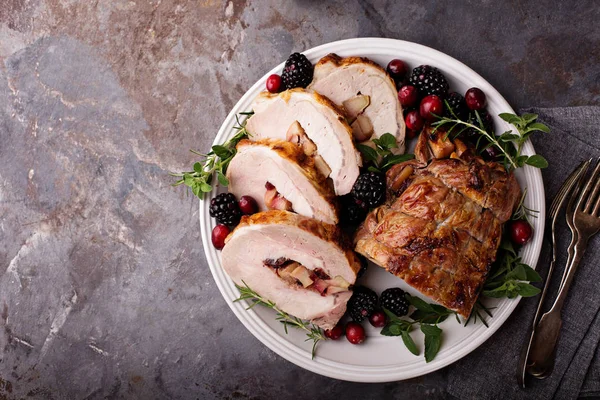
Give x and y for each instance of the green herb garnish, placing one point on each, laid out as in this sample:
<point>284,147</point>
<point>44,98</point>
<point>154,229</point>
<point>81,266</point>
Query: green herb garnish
<point>381,156</point>
<point>313,332</point>
<point>427,316</point>
<point>509,276</point>
<point>510,144</point>
<point>200,180</point>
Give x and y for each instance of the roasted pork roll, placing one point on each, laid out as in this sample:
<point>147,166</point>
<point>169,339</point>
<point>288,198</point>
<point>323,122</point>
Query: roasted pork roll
<point>304,266</point>
<point>320,119</point>
<point>280,175</point>
<point>344,79</point>
<point>441,227</point>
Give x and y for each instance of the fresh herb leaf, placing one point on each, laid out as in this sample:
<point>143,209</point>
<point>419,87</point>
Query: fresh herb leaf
<point>526,290</point>
<point>368,152</point>
<point>215,162</point>
<point>409,343</point>
<point>537,161</point>
<point>433,340</point>
<point>390,160</point>
<point>387,141</point>
<point>313,332</point>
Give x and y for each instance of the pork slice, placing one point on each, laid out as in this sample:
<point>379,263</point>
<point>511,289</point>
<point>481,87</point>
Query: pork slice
<point>285,166</point>
<point>321,121</point>
<point>340,79</point>
<point>313,244</point>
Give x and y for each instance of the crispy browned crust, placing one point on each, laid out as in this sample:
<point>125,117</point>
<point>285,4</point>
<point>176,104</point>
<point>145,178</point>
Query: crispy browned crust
<point>327,232</point>
<point>341,62</point>
<point>436,234</point>
<point>295,154</point>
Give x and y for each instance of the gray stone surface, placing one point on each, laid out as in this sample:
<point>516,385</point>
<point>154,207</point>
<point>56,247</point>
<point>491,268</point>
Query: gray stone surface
<point>104,290</point>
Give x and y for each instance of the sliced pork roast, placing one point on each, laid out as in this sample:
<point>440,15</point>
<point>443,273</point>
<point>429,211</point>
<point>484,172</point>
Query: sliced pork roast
<point>280,175</point>
<point>321,121</point>
<point>441,226</point>
<point>304,266</point>
<point>348,82</point>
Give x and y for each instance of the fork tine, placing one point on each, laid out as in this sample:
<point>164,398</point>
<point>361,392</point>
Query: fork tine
<point>590,201</point>
<point>566,188</point>
<point>588,188</point>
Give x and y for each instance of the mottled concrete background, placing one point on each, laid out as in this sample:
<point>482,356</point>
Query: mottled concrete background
<point>104,290</point>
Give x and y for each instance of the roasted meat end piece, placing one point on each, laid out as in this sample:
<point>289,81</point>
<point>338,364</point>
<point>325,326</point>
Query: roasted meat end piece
<point>342,80</point>
<point>441,228</point>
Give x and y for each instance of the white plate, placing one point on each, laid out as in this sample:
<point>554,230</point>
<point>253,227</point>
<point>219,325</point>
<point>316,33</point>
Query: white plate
<point>379,358</point>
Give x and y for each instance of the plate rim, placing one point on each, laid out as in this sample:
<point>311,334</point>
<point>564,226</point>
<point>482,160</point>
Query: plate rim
<point>284,348</point>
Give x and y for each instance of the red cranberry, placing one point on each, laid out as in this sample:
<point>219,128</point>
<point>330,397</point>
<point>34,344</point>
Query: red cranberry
<point>219,233</point>
<point>475,99</point>
<point>414,121</point>
<point>431,107</point>
<point>520,232</point>
<point>274,83</point>
<point>355,333</point>
<point>397,69</point>
<point>248,205</point>
<point>335,333</point>
<point>378,319</point>
<point>408,95</point>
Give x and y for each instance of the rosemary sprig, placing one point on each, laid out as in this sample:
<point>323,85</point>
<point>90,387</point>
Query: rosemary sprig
<point>215,162</point>
<point>509,144</point>
<point>313,332</point>
<point>522,211</point>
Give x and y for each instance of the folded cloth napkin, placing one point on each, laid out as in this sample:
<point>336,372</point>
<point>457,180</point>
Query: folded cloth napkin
<point>490,371</point>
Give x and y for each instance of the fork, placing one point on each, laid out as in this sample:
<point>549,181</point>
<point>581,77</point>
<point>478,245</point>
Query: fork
<point>585,218</point>
<point>555,208</point>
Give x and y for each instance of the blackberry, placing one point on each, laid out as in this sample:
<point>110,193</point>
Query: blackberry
<point>298,72</point>
<point>473,135</point>
<point>394,300</point>
<point>353,213</point>
<point>455,106</point>
<point>429,80</point>
<point>369,189</point>
<point>362,303</point>
<point>225,209</point>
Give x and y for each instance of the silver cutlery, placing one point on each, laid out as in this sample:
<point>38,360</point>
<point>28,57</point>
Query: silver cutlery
<point>584,219</point>
<point>555,208</point>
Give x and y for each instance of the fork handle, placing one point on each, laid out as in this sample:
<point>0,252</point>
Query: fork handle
<point>547,332</point>
<point>569,275</point>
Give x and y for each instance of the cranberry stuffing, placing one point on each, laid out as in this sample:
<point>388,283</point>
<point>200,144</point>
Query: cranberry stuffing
<point>355,333</point>
<point>408,95</point>
<point>334,333</point>
<point>431,107</point>
<point>248,205</point>
<point>520,232</point>
<point>414,121</point>
<point>378,319</point>
<point>475,99</point>
<point>219,233</point>
<point>274,83</point>
<point>397,70</point>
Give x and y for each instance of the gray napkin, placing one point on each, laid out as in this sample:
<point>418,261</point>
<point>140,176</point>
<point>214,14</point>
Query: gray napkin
<point>490,371</point>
